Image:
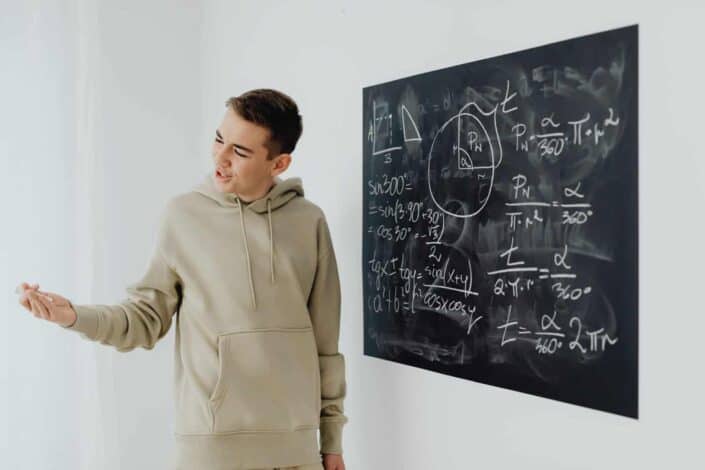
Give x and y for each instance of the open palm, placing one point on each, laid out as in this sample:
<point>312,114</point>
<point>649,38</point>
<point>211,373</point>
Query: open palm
<point>47,305</point>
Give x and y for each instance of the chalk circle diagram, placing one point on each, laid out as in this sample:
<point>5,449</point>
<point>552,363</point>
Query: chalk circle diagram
<point>462,160</point>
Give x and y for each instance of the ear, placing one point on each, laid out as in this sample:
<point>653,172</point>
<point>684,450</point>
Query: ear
<point>281,163</point>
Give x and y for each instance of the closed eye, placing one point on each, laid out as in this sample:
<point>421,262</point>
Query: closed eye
<point>234,148</point>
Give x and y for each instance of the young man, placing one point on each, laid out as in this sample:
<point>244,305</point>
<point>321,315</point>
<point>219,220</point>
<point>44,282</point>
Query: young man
<point>247,263</point>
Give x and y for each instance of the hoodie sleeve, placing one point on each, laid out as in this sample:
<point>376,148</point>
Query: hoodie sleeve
<point>145,315</point>
<point>324,308</point>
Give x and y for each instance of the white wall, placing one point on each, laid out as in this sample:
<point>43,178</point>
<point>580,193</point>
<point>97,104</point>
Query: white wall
<point>37,125</point>
<point>402,417</point>
<point>97,129</point>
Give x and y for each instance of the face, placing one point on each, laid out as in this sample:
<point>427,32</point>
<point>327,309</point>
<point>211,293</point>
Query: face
<point>240,158</point>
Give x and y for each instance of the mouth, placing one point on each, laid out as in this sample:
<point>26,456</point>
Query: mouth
<point>221,176</point>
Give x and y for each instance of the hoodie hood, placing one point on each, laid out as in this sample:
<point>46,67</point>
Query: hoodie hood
<point>282,191</point>
<point>279,194</point>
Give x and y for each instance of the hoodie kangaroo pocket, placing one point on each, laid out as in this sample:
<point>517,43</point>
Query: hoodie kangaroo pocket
<point>268,380</point>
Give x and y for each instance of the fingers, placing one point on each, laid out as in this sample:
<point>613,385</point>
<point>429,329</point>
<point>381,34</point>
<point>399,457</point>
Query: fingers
<point>50,296</point>
<point>24,287</point>
<point>24,301</point>
<point>33,307</point>
<point>39,303</point>
<point>45,300</point>
<point>39,308</point>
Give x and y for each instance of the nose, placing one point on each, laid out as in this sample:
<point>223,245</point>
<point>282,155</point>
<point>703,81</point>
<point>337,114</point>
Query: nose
<point>220,156</point>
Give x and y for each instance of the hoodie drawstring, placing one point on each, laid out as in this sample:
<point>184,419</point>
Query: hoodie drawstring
<point>247,251</point>
<point>271,238</point>
<point>247,254</point>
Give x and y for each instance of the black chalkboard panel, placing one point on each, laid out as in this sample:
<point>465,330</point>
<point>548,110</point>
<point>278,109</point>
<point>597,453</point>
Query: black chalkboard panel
<point>500,216</point>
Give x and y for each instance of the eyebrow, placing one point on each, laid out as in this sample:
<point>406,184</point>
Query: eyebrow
<point>217,132</point>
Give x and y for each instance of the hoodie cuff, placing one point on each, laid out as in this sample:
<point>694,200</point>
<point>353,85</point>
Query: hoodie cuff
<point>331,437</point>
<point>86,321</point>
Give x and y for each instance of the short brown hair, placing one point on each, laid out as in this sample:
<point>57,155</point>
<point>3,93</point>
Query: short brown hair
<point>274,110</point>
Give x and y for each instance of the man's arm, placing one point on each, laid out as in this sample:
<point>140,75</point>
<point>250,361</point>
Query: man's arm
<point>324,308</point>
<point>145,316</point>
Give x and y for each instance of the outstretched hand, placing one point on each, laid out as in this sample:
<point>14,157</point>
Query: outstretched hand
<point>47,305</point>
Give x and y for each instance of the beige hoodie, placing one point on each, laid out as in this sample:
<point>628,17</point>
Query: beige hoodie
<point>256,291</point>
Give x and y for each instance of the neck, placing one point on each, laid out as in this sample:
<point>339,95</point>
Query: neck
<point>253,197</point>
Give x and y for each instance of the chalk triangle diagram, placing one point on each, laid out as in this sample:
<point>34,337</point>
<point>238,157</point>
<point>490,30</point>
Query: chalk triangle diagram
<point>411,132</point>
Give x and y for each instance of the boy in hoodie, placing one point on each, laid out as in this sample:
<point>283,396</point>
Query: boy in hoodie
<point>247,265</point>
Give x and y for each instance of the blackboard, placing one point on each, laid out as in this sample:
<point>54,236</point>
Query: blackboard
<point>500,220</point>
